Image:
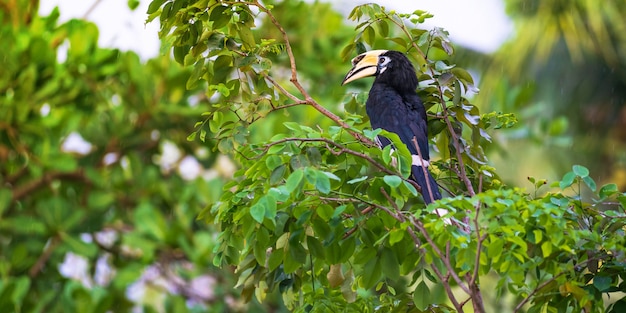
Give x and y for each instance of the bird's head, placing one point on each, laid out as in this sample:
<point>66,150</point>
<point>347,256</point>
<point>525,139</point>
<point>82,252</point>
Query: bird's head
<point>389,66</point>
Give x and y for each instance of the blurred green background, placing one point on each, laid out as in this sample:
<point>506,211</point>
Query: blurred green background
<point>100,187</point>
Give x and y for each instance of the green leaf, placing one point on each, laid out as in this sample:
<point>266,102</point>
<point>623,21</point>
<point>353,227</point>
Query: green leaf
<point>79,246</point>
<point>280,193</point>
<point>297,251</point>
<point>369,35</point>
<point>152,221</point>
<point>463,75</point>
<point>277,174</point>
<point>383,28</point>
<point>260,252</point>
<point>270,206</point>
<point>218,17</point>
<point>332,176</point>
<point>495,247</point>
<point>357,180</point>
<point>154,6</point>
<point>245,33</point>
<point>133,4</point>
<point>410,187</point>
<point>392,180</point>
<point>606,191</point>
<point>5,199</point>
<point>333,253</point>
<point>390,264</point>
<point>568,180</point>
<point>290,263</point>
<point>192,136</point>
<point>387,158</point>
<point>371,134</point>
<point>602,282</point>
<point>293,126</point>
<point>399,41</point>
<point>580,170</point>
<point>421,296</point>
<point>346,52</point>
<point>299,161</point>
<point>294,181</point>
<point>258,211</point>
<point>590,183</point>
<point>538,235</point>
<point>325,212</point>
<point>347,249</point>
<point>275,259</point>
<point>310,174</point>
<point>396,236</point>
<point>273,161</point>
<point>180,52</point>
<point>372,272</point>
<point>558,126</point>
<point>222,67</point>
<point>198,71</point>
<point>315,246</point>
<point>22,285</point>
<point>339,210</point>
<point>546,248</point>
<point>322,182</point>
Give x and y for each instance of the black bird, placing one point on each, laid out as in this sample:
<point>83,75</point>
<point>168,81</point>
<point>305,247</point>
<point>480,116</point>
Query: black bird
<point>393,105</point>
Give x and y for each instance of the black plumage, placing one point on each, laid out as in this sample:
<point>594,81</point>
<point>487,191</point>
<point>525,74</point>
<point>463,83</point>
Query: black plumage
<point>393,105</point>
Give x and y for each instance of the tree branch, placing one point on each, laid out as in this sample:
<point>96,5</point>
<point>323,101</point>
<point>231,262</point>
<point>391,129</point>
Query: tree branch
<point>342,149</point>
<point>444,257</point>
<point>22,191</point>
<point>446,285</point>
<point>444,279</point>
<point>455,139</point>
<point>294,79</point>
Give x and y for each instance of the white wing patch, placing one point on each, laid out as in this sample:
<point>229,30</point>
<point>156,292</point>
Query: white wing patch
<point>418,161</point>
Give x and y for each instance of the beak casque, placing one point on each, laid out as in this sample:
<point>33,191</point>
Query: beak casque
<point>363,65</point>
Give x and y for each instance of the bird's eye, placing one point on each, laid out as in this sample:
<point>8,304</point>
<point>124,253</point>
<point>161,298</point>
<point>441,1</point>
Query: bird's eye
<point>383,60</point>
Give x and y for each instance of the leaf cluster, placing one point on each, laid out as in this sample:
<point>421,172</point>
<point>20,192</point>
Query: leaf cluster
<point>79,229</point>
<point>320,214</point>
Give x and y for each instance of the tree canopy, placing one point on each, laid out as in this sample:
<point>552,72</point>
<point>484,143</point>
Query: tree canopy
<point>236,159</point>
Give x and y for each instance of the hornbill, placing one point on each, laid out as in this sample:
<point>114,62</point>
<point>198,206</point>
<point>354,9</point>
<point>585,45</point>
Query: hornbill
<point>393,105</point>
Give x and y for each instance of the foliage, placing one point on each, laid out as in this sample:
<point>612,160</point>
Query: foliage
<point>110,227</point>
<point>563,71</point>
<point>320,214</point>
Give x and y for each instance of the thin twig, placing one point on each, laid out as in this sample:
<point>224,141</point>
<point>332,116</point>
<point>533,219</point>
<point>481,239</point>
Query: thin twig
<point>91,8</point>
<point>401,218</point>
<point>424,170</point>
<point>294,79</point>
<point>446,285</point>
<point>342,149</point>
<point>398,216</point>
<point>283,90</point>
<point>529,297</point>
<point>44,257</point>
<point>445,258</point>
<point>455,139</point>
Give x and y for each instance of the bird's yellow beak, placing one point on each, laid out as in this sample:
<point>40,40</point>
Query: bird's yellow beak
<point>363,65</point>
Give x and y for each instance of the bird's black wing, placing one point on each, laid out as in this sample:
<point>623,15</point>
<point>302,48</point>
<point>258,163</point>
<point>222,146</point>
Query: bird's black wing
<point>417,127</point>
<point>405,116</point>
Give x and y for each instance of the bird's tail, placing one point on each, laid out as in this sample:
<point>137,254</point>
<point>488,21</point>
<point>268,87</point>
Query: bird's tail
<point>424,181</point>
